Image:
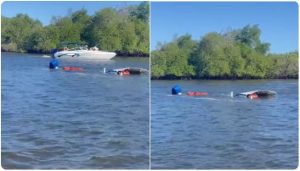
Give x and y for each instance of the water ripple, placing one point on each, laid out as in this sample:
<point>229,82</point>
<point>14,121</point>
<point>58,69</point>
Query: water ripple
<point>68,120</point>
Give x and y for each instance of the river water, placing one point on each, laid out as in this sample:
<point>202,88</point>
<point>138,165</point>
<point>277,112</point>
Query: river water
<point>220,132</point>
<point>73,120</point>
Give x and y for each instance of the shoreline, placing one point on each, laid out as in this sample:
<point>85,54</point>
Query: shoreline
<point>219,79</point>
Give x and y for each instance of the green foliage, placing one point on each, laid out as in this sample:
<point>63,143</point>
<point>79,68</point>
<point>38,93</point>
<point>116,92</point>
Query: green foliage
<point>43,40</point>
<point>235,61</point>
<point>105,29</point>
<point>142,12</point>
<point>237,54</point>
<point>158,64</point>
<point>250,36</point>
<point>68,31</point>
<point>142,32</point>
<point>209,57</point>
<point>172,59</point>
<point>17,30</point>
<point>283,65</point>
<point>129,39</point>
<point>125,31</point>
<point>255,63</point>
<point>82,20</point>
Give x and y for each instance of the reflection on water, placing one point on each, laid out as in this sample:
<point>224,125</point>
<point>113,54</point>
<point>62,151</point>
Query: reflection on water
<point>57,119</point>
<point>220,132</point>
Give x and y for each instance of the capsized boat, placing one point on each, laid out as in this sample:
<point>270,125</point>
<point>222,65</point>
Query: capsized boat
<point>83,52</point>
<point>258,94</point>
<point>126,71</point>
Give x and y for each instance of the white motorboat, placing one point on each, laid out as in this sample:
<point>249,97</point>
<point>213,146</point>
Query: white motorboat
<point>84,53</point>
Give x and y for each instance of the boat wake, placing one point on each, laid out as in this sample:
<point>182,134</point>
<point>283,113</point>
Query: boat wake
<point>206,98</point>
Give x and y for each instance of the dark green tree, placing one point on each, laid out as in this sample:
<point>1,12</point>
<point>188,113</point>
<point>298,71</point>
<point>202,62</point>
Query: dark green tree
<point>172,59</point>
<point>250,36</point>
<point>82,20</point>
<point>209,57</point>
<point>141,12</point>
<point>125,31</point>
<point>237,54</point>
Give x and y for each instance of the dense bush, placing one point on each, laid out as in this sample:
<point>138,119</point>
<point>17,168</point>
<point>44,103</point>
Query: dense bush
<point>125,31</point>
<point>238,54</point>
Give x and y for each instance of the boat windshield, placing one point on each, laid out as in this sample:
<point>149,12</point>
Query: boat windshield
<point>73,46</point>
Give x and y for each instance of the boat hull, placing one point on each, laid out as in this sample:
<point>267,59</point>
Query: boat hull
<point>127,71</point>
<point>86,54</point>
<point>197,93</point>
<point>258,94</point>
<point>70,68</point>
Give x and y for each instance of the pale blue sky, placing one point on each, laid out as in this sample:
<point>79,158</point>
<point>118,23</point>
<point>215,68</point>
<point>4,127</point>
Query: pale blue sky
<point>45,10</point>
<point>278,21</point>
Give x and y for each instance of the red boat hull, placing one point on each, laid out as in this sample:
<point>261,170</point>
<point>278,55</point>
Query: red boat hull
<point>197,93</point>
<point>69,68</point>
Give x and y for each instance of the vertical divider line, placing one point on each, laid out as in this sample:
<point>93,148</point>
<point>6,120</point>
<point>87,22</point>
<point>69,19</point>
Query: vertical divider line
<point>149,84</point>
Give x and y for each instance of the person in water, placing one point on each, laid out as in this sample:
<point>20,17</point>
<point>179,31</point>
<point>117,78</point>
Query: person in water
<point>54,63</point>
<point>176,90</point>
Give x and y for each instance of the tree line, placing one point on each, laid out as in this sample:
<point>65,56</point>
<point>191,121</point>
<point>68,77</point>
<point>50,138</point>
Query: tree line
<point>236,54</point>
<point>125,31</point>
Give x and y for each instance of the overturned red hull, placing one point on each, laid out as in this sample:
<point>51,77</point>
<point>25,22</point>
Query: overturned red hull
<point>70,68</point>
<point>197,93</point>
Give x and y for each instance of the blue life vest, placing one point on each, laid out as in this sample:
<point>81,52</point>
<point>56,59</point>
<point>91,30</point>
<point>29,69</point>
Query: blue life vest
<point>53,64</point>
<point>176,90</point>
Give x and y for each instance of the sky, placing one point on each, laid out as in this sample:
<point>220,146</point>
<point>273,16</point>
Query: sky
<point>278,21</point>
<point>45,10</point>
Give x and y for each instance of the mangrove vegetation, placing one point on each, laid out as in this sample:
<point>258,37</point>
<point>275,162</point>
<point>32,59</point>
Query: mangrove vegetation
<point>236,54</point>
<point>125,31</point>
